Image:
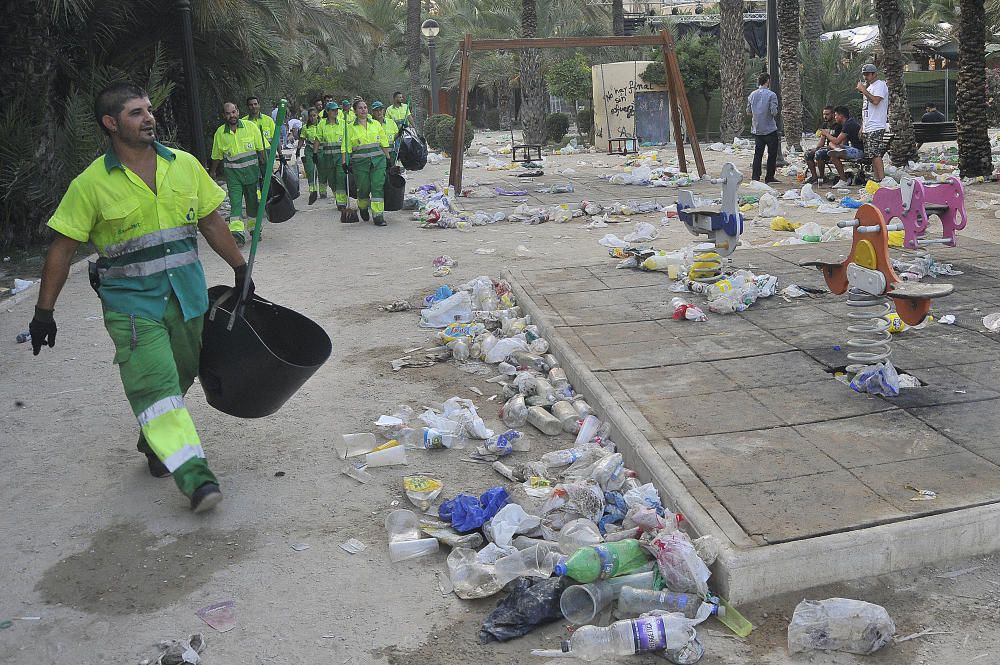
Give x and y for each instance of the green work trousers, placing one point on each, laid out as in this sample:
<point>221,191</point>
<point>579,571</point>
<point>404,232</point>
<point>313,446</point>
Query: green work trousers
<point>312,172</point>
<point>158,361</point>
<point>239,192</point>
<point>370,175</point>
<point>332,173</point>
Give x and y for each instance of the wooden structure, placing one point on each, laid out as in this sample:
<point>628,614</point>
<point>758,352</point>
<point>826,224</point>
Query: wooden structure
<point>675,87</point>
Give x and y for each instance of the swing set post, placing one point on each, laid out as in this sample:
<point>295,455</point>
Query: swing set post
<point>677,95</point>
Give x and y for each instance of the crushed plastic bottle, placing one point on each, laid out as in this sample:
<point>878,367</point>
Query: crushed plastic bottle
<point>633,602</point>
<point>504,444</point>
<point>515,412</point>
<point>430,439</point>
<point>544,421</point>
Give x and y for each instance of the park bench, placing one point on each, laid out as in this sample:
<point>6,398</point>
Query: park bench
<point>623,146</point>
<point>934,132</point>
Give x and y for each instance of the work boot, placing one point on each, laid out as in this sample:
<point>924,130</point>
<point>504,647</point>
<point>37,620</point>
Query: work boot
<point>364,214</point>
<point>312,197</point>
<point>322,195</point>
<point>205,498</point>
<point>379,220</point>
<point>156,468</point>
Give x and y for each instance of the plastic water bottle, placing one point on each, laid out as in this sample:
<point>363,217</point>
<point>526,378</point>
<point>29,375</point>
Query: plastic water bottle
<point>428,438</point>
<point>505,444</point>
<point>599,562</point>
<point>544,421</point>
<point>560,458</point>
<point>633,602</point>
<point>628,637</point>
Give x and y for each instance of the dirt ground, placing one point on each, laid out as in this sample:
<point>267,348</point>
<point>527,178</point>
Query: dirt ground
<point>111,561</point>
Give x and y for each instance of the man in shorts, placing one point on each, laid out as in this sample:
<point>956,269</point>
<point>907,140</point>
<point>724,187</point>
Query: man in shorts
<point>817,158</point>
<point>845,145</point>
<point>875,117</point>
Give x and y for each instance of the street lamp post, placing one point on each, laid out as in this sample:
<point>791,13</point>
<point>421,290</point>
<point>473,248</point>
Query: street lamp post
<point>191,76</point>
<point>430,30</point>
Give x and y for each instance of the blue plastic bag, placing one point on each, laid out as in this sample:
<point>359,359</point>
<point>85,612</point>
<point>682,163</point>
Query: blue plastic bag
<point>615,509</point>
<point>443,293</point>
<point>467,513</point>
<point>848,202</point>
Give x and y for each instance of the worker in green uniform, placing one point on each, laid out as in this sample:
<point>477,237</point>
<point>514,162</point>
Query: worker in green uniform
<point>378,112</point>
<point>307,137</point>
<point>399,112</point>
<point>239,146</point>
<point>348,108</point>
<point>368,146</point>
<point>264,122</point>
<point>329,137</point>
<point>142,205</point>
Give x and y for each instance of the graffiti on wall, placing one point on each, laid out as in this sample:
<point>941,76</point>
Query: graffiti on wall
<point>615,87</point>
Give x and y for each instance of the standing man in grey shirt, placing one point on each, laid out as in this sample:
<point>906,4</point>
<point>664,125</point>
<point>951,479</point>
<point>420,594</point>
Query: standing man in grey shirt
<point>762,105</point>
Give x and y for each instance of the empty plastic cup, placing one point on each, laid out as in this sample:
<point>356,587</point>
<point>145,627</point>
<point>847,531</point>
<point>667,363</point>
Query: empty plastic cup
<point>578,533</point>
<point>580,603</point>
<point>535,561</point>
<point>411,549</point>
<point>356,444</point>
<point>387,457</point>
<point>403,525</point>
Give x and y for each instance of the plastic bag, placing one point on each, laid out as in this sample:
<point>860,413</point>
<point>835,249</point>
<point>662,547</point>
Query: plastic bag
<point>532,602</point>
<point>454,309</point>
<point>466,513</point>
<point>471,578</point>
<point>644,232</point>
<point>412,150</point>
<point>503,348</point>
<point>421,490</point>
<point>768,206</point>
<point>572,500</point>
<point>839,624</point>
<point>448,536</point>
<point>515,412</point>
<point>810,232</point>
<point>881,379</point>
<point>510,521</point>
<point>681,567</point>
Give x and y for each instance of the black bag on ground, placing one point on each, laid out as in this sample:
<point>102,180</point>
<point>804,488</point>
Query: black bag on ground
<point>412,150</point>
<point>532,603</point>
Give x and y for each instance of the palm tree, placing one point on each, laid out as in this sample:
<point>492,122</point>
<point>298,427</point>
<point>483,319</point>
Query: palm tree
<point>617,17</point>
<point>788,55</point>
<point>974,157</point>
<point>891,22</point>
<point>812,22</point>
<point>731,66</point>
<point>533,97</point>
<point>413,57</point>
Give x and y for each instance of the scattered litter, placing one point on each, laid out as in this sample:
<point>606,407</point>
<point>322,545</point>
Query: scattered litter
<point>839,624</point>
<point>927,632</point>
<point>221,616</point>
<point>395,306</point>
<point>531,603</point>
<point>421,491</point>
<point>21,285</point>
<point>947,319</point>
<point>881,379</point>
<point>353,546</point>
<point>992,322</point>
<point>485,250</point>
<point>299,547</point>
<point>922,495</point>
<point>180,652</point>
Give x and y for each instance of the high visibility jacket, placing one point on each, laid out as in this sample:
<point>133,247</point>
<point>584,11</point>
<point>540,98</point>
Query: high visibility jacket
<point>391,129</point>
<point>147,242</point>
<point>238,149</point>
<point>310,133</point>
<point>265,123</point>
<point>397,114</point>
<point>365,141</point>
<point>330,136</point>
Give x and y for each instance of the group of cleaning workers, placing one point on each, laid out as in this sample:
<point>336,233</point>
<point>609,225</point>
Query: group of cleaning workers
<point>337,143</point>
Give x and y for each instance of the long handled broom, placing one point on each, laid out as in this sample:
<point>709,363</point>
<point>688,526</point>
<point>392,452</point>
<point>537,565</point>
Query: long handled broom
<point>348,215</point>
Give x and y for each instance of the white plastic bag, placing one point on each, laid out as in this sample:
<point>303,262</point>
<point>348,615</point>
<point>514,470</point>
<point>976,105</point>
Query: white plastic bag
<point>644,232</point>
<point>504,347</point>
<point>767,206</point>
<point>510,521</point>
<point>839,624</point>
<point>455,309</point>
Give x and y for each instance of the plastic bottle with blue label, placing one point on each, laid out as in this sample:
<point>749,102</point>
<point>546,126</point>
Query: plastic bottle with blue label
<point>669,633</point>
<point>633,602</point>
<point>506,443</point>
<point>430,439</point>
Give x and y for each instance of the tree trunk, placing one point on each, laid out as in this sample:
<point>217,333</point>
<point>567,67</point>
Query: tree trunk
<point>731,66</point>
<point>890,25</point>
<point>413,58</point>
<point>791,86</point>
<point>974,158</point>
<point>617,17</point>
<point>812,23</point>
<point>532,84</point>
<point>505,96</point>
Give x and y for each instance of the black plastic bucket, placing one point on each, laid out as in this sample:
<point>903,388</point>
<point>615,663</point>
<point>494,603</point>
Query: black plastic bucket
<point>253,369</point>
<point>395,188</point>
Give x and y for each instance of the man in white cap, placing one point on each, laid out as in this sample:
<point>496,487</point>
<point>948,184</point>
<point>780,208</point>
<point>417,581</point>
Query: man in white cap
<point>875,117</point>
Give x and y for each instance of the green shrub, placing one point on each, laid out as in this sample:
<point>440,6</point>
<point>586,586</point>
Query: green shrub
<point>585,121</point>
<point>556,126</point>
<point>431,129</point>
<point>493,119</point>
<point>444,133</point>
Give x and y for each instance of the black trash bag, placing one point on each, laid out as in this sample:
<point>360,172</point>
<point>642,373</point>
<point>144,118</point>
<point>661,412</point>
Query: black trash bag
<point>289,175</point>
<point>412,150</point>
<point>533,602</point>
<point>279,206</point>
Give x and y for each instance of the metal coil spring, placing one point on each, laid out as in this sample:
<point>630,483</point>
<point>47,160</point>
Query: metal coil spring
<point>874,347</point>
<point>708,271</point>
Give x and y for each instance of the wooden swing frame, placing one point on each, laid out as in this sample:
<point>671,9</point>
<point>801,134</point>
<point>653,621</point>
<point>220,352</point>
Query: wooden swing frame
<point>676,94</point>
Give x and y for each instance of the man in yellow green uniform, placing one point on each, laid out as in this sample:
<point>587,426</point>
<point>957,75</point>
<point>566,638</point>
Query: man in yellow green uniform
<point>368,147</point>
<point>264,122</point>
<point>348,110</point>
<point>239,146</point>
<point>307,138</point>
<point>329,137</point>
<point>399,112</point>
<point>141,205</point>
<point>378,112</point>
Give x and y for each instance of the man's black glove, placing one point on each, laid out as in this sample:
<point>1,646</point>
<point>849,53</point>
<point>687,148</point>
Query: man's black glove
<point>42,329</point>
<point>260,183</point>
<point>241,278</point>
<point>347,168</point>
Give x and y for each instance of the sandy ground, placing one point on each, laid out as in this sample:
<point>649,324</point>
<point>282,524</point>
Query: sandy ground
<point>112,561</point>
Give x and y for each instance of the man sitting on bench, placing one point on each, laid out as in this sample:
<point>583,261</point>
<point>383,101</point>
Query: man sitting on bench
<point>932,114</point>
<point>845,145</point>
<point>821,153</point>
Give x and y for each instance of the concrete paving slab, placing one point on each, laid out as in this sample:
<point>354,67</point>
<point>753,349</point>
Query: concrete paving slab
<point>743,428</point>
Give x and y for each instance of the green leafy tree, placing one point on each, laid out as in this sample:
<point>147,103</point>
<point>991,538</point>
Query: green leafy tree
<point>570,79</point>
<point>698,60</point>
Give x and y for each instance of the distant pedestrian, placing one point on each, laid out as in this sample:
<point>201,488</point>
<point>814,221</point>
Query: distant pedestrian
<point>874,117</point>
<point>931,114</point>
<point>762,105</point>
